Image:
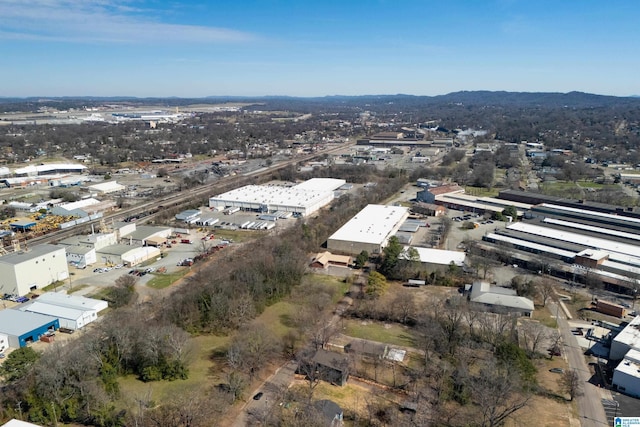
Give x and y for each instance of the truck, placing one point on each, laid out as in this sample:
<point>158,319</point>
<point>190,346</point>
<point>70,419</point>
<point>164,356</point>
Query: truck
<point>612,309</point>
<point>186,241</point>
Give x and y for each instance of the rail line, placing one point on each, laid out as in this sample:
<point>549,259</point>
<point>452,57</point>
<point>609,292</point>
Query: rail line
<point>149,210</point>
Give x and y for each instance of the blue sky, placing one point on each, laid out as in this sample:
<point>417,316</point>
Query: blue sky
<point>314,48</point>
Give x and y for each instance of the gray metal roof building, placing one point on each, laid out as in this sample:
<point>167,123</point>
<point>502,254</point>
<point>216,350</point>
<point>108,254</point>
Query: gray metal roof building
<point>22,328</point>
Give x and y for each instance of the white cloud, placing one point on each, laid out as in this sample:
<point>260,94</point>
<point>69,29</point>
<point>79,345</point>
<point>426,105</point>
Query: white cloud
<point>88,21</point>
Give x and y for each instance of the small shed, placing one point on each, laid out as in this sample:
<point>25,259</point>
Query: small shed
<point>155,241</point>
<point>333,367</point>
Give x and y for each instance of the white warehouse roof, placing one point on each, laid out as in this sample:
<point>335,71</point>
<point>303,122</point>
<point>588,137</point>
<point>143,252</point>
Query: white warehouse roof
<point>438,256</point>
<point>80,204</point>
<point>586,227</point>
<point>592,213</point>
<point>271,197</point>
<point>581,239</point>
<point>73,301</point>
<point>630,335</point>
<point>321,184</point>
<point>107,187</point>
<point>372,224</point>
<point>54,311</point>
<point>52,167</point>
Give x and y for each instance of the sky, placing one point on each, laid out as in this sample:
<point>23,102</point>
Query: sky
<point>160,48</point>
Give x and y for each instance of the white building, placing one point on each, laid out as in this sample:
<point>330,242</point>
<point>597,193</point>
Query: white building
<point>81,256</point>
<point>127,254</point>
<point>82,208</point>
<point>50,169</point>
<point>73,301</point>
<point>24,271</point>
<point>71,318</point>
<point>498,299</point>
<point>626,376</point>
<point>627,339</point>
<point>106,187</point>
<point>302,199</point>
<point>437,257</point>
<point>369,230</point>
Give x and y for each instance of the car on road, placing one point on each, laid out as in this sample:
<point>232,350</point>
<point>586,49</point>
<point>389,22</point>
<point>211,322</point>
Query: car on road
<point>258,396</point>
<point>557,370</point>
<point>2,356</point>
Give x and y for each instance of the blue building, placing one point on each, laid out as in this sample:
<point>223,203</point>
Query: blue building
<point>23,328</point>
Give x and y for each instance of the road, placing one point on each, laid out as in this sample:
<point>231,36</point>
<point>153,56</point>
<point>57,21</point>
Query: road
<point>589,403</point>
<point>272,391</point>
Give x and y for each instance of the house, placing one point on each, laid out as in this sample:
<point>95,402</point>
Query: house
<point>497,299</point>
<point>331,367</point>
<point>428,195</point>
<point>330,411</point>
<point>325,259</point>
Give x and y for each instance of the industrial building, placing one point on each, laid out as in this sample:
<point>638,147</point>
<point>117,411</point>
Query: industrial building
<point>27,270</point>
<point>70,318</point>
<point>369,230</point>
<point>626,347</point>
<point>73,312</point>
<point>106,187</point>
<point>127,254</point>
<point>189,216</point>
<point>437,258</point>
<point>73,301</point>
<point>574,243</point>
<point>22,328</point>
<point>302,199</point>
<point>498,299</point>
<point>50,169</point>
<point>144,234</point>
<point>83,208</point>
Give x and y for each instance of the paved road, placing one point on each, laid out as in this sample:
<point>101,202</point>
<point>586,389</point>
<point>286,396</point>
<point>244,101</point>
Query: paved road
<point>271,388</point>
<point>590,408</point>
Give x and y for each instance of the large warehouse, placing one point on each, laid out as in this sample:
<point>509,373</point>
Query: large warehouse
<point>27,270</point>
<point>127,254</point>
<point>23,328</point>
<point>73,312</point>
<point>369,230</point>
<point>302,199</point>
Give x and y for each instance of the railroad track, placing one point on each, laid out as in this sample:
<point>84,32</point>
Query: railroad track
<point>149,210</point>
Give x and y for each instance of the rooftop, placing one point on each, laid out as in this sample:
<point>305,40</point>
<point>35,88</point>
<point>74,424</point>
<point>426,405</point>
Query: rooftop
<point>53,310</point>
<point>33,252</point>
<point>630,365</point>
<point>372,224</point>
<point>273,195</point>
<point>630,335</point>
<point>438,256</point>
<point>16,322</point>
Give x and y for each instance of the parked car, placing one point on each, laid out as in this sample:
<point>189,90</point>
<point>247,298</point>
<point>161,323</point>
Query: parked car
<point>557,370</point>
<point>258,396</point>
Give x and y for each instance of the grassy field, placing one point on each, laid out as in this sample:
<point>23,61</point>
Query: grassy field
<point>202,374</point>
<point>164,280</point>
<point>239,236</point>
<point>387,333</point>
<point>340,286</point>
<point>276,317</point>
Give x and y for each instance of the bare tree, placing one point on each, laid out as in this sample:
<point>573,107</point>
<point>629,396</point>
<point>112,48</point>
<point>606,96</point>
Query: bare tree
<point>498,394</point>
<point>571,383</point>
<point>533,334</point>
<point>403,306</point>
<point>545,290</point>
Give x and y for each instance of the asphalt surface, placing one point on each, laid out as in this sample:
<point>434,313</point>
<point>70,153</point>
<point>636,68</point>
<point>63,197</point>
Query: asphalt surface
<point>272,391</point>
<point>590,408</point>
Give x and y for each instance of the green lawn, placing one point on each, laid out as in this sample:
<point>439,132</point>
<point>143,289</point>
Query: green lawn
<point>239,236</point>
<point>277,317</point>
<point>202,374</point>
<point>386,333</point>
<point>334,282</point>
<point>164,280</point>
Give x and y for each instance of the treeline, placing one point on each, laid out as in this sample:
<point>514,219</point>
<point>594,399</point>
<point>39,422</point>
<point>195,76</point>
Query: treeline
<point>79,382</point>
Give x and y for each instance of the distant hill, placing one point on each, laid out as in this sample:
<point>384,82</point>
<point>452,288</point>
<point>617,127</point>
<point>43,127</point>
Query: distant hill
<point>475,98</point>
